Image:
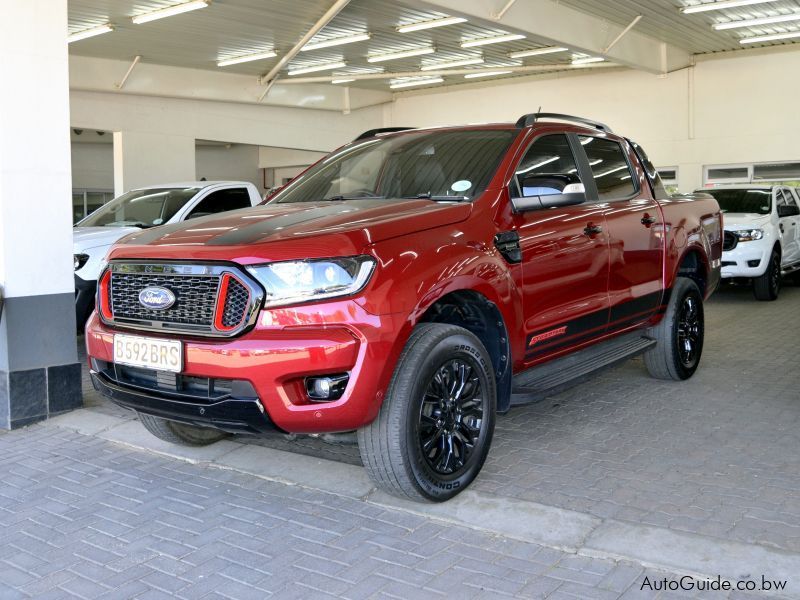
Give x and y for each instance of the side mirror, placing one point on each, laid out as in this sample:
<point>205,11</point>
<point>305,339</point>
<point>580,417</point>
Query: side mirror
<point>549,191</point>
<point>788,211</point>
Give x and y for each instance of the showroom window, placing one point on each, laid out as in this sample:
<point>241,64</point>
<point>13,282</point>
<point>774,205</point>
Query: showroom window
<point>669,177</point>
<point>86,201</point>
<point>786,173</point>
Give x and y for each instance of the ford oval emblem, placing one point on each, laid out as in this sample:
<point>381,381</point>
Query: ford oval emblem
<point>156,298</point>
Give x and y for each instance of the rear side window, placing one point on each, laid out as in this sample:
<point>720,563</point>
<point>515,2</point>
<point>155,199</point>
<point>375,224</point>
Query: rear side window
<point>222,201</point>
<point>612,173</point>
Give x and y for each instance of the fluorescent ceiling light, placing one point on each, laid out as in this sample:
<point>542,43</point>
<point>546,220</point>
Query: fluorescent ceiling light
<point>342,80</point>
<point>770,38</point>
<point>537,52</point>
<point>587,60</point>
<point>498,39</point>
<point>756,22</point>
<point>91,32</point>
<point>415,82</point>
<point>315,68</point>
<point>170,11</point>
<point>723,4</point>
<point>401,54</point>
<point>485,74</point>
<point>247,58</point>
<point>430,24</point>
<point>339,41</point>
<point>452,63</point>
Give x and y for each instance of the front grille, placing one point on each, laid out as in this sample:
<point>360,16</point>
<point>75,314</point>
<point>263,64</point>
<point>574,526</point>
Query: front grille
<point>729,241</point>
<point>195,297</point>
<point>197,307</point>
<point>235,304</point>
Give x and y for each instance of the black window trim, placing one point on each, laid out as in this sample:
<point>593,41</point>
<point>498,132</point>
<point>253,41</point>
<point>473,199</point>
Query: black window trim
<point>634,179</point>
<point>213,190</point>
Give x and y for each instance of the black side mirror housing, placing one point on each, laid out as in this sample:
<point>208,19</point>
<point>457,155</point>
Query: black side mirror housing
<point>568,191</point>
<point>788,211</point>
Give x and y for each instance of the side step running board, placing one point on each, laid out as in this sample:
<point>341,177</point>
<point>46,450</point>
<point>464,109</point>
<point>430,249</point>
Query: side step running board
<point>537,383</point>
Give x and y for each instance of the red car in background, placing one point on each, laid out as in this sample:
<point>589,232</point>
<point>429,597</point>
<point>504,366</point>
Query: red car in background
<point>410,286</point>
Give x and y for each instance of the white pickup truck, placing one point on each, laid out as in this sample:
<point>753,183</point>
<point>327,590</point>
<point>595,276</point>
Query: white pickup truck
<point>762,234</point>
<point>141,208</point>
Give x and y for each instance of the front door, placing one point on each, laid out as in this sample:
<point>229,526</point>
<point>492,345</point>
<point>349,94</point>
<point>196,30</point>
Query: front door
<point>789,222</point>
<point>564,257</point>
<point>635,231</point>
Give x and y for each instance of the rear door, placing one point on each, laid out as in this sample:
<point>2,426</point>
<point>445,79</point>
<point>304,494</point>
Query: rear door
<point>564,257</point>
<point>634,227</point>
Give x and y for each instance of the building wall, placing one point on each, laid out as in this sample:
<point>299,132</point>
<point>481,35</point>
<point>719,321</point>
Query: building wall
<point>92,166</point>
<point>235,162</point>
<point>739,107</point>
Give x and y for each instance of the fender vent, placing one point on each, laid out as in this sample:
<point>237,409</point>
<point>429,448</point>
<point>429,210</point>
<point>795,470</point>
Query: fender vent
<point>507,243</point>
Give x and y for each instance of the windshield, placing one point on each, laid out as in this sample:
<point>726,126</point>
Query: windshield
<point>140,208</point>
<point>743,201</point>
<point>440,165</point>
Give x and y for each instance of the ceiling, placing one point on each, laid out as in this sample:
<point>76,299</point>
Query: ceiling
<point>229,28</point>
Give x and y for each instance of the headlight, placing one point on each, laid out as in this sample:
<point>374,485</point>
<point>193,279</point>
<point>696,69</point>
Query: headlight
<point>749,235</point>
<point>80,260</point>
<point>310,280</point>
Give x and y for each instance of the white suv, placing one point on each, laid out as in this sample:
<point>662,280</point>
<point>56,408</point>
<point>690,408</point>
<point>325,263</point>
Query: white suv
<point>145,207</point>
<point>762,234</point>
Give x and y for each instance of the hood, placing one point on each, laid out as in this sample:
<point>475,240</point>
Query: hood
<point>744,220</point>
<point>85,238</point>
<point>364,221</point>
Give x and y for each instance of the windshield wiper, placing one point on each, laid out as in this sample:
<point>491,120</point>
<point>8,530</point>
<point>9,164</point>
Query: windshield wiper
<point>340,198</point>
<point>429,196</point>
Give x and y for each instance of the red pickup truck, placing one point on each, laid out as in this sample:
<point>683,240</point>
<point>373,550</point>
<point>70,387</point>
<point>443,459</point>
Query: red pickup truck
<point>409,286</point>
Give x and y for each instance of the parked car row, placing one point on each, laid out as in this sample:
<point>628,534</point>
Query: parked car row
<point>408,287</point>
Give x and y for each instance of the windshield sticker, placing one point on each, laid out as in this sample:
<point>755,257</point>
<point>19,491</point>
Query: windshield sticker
<point>461,186</point>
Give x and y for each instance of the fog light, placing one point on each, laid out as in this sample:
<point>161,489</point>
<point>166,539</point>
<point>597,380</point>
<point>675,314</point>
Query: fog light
<point>753,263</point>
<point>326,387</point>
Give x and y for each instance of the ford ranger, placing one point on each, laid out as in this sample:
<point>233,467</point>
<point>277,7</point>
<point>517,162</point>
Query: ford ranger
<point>410,286</point>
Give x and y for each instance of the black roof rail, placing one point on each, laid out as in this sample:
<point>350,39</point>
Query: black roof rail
<point>373,132</point>
<point>530,119</point>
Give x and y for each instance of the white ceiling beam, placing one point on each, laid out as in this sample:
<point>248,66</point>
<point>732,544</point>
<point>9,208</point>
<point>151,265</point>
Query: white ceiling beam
<point>530,69</point>
<point>555,24</point>
<point>270,77</point>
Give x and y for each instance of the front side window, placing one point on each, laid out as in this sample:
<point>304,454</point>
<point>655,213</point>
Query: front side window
<point>442,165</point>
<point>612,173</point>
<point>221,201</point>
<point>547,168</point>
<point>141,208</point>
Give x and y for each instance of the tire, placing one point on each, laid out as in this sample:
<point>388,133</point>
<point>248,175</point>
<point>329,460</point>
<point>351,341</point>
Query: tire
<point>768,286</point>
<point>422,407</point>
<point>683,324</point>
<point>180,433</point>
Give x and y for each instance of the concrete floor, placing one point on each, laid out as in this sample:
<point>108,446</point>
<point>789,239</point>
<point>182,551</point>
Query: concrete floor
<point>599,482</point>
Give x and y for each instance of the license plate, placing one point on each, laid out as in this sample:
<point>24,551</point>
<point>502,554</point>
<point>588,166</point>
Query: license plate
<point>150,353</point>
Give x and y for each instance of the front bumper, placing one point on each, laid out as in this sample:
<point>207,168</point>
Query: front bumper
<point>234,415</point>
<point>748,259</point>
<point>275,357</point>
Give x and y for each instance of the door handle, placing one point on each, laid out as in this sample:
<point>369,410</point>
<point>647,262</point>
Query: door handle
<point>647,220</point>
<point>591,229</point>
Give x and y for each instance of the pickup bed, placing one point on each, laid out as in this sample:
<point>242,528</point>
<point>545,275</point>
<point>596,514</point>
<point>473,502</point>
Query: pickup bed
<point>409,287</point>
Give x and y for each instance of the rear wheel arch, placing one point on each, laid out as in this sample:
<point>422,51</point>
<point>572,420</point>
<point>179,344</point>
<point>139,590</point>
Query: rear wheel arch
<point>694,265</point>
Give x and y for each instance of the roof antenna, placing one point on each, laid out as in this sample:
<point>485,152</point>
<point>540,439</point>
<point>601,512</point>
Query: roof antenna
<point>540,109</point>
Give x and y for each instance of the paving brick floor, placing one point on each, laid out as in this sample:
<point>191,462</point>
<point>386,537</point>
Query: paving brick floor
<point>716,455</point>
<point>84,518</point>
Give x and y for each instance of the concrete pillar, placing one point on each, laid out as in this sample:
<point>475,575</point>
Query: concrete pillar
<point>39,370</point>
<point>144,158</point>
